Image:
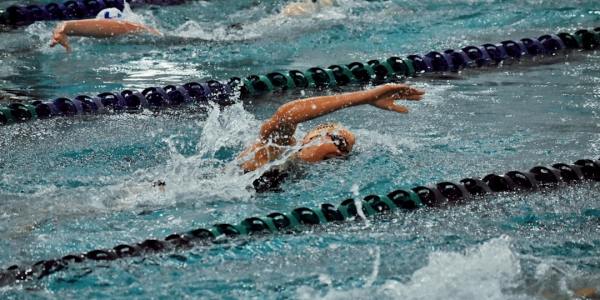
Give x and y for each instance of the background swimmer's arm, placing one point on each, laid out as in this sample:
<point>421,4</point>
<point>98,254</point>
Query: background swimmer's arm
<point>99,28</point>
<point>295,9</point>
<point>288,116</point>
<point>305,7</point>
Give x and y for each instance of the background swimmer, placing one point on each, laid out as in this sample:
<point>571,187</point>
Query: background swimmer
<point>112,22</point>
<point>109,22</point>
<point>306,7</point>
<point>295,9</point>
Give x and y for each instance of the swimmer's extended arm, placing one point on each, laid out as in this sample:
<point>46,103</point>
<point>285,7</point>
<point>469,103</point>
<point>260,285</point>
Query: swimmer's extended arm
<point>98,28</point>
<point>282,125</point>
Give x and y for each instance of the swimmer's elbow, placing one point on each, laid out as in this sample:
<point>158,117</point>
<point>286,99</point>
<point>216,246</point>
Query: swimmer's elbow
<point>286,112</point>
<point>268,127</point>
<point>282,111</point>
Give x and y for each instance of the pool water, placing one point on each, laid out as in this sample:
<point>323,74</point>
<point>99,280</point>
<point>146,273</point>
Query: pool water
<point>72,185</point>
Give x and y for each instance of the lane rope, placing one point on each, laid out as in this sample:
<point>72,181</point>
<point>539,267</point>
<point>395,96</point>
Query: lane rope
<point>373,71</point>
<point>438,195</point>
<point>26,14</point>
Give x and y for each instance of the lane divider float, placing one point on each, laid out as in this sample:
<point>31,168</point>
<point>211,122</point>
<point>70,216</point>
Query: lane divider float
<point>441,194</point>
<point>372,71</point>
<point>23,15</point>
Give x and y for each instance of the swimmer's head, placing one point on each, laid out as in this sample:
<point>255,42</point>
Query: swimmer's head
<point>327,141</point>
<point>110,14</point>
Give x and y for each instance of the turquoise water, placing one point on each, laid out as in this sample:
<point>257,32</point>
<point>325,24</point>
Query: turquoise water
<point>71,185</point>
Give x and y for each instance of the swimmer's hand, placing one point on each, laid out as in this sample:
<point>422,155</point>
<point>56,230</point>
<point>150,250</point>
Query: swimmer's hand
<point>387,94</point>
<point>60,37</point>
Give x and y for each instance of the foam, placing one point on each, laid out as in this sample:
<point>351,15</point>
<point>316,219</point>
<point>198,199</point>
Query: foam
<point>369,139</point>
<point>203,174</point>
<point>489,271</point>
<point>275,25</point>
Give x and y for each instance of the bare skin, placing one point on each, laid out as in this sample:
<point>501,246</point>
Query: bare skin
<point>280,128</point>
<point>587,293</point>
<point>305,7</point>
<point>98,28</point>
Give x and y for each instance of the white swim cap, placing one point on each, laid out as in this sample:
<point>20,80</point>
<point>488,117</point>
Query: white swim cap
<point>110,13</point>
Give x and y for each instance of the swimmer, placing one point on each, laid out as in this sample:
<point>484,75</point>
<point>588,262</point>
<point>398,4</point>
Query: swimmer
<point>325,141</point>
<point>296,9</point>
<point>110,22</point>
<point>306,7</point>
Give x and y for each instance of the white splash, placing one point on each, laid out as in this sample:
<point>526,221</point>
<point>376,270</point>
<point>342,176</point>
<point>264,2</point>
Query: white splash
<point>355,190</point>
<point>375,139</point>
<point>276,25</point>
<point>201,175</point>
<point>484,272</point>
<point>376,263</point>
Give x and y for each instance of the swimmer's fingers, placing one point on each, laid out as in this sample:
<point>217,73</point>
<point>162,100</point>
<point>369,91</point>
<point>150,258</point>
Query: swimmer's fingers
<point>413,97</point>
<point>388,104</point>
<point>399,91</point>
<point>55,40</point>
<point>399,109</point>
<point>407,92</point>
<point>59,36</point>
<point>415,94</point>
<point>63,42</point>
